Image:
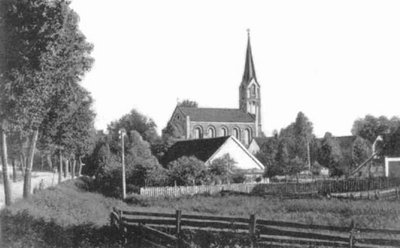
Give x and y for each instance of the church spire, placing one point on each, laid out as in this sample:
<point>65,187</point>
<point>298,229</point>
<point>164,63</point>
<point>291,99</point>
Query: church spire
<point>249,70</point>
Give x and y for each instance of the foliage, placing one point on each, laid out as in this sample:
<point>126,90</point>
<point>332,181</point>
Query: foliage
<point>391,145</point>
<point>188,104</point>
<point>361,150</point>
<point>222,169</point>
<point>47,56</point>
<point>370,126</point>
<point>134,121</point>
<point>188,171</point>
<point>170,134</point>
<point>141,167</point>
<point>330,155</point>
<point>238,177</point>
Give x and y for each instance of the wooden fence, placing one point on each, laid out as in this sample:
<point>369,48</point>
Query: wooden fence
<point>316,187</point>
<point>151,229</point>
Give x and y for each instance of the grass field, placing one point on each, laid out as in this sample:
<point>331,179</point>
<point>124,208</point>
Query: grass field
<point>69,216</point>
<point>372,214</point>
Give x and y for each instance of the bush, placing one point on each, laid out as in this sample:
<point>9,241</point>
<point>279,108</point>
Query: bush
<point>238,177</point>
<point>188,171</point>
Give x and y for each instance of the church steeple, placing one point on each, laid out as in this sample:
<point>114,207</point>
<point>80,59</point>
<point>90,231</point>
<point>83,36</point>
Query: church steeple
<point>249,90</point>
<point>249,70</point>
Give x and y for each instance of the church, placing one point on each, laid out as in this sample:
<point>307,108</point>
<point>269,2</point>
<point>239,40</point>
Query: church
<point>244,123</point>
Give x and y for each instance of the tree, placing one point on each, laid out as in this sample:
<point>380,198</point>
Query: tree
<point>331,156</point>
<point>135,120</point>
<point>361,150</point>
<point>370,126</point>
<point>188,171</point>
<point>188,104</point>
<point>45,53</point>
<point>222,168</point>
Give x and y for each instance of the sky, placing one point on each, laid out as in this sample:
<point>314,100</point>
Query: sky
<point>335,61</point>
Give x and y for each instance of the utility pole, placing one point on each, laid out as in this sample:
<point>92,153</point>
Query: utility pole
<point>123,132</point>
<point>308,155</point>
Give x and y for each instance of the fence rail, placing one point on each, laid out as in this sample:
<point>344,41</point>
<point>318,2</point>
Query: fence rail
<point>316,187</point>
<point>259,231</point>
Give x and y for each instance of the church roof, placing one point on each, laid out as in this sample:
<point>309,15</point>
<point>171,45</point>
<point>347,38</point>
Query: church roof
<point>217,114</point>
<point>202,149</point>
<point>249,69</point>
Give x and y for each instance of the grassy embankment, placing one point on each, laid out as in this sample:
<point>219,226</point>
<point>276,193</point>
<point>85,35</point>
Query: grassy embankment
<point>68,216</point>
<point>63,216</point>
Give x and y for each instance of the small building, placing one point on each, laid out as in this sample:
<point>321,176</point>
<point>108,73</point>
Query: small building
<point>257,143</point>
<point>209,149</point>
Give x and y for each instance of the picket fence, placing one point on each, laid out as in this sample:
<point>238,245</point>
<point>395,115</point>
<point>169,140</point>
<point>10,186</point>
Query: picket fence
<point>193,190</point>
<point>323,187</point>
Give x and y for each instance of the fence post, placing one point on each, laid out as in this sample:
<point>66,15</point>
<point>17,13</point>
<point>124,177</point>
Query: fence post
<point>121,226</point>
<point>178,215</point>
<point>351,236</point>
<point>397,193</point>
<point>252,229</point>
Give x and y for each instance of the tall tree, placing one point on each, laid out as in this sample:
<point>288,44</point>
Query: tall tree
<point>330,155</point>
<point>135,120</point>
<point>46,53</point>
<point>361,150</point>
<point>370,126</point>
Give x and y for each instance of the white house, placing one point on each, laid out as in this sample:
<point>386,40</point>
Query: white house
<point>208,150</point>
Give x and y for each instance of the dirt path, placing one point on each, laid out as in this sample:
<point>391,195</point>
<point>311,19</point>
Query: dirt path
<point>39,179</point>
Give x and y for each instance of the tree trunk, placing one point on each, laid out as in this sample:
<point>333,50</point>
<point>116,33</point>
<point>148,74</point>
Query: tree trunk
<point>48,157</point>
<point>14,166</point>
<point>80,166</point>
<point>73,167</point>
<point>6,181</point>
<point>60,170</point>
<point>22,164</point>
<point>29,164</point>
<point>66,167</point>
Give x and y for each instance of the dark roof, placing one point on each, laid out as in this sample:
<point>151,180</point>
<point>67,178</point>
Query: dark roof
<point>345,142</point>
<point>261,140</point>
<point>202,149</point>
<point>217,114</point>
<point>249,70</point>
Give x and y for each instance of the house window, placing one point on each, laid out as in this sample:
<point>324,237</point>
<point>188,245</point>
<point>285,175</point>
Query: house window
<point>236,133</point>
<point>211,132</point>
<point>198,134</point>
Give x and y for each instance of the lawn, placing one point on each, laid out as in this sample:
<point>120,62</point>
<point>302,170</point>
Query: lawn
<point>372,214</point>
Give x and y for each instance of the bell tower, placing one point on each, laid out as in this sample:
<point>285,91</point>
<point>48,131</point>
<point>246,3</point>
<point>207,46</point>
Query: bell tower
<point>249,90</point>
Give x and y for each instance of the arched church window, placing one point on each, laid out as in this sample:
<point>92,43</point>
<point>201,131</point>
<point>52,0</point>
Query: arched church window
<point>198,133</point>
<point>247,136</point>
<point>224,131</point>
<point>236,133</point>
<point>211,132</point>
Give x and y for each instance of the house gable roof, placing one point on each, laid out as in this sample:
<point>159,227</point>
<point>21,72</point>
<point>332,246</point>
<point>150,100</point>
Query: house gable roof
<point>202,149</point>
<point>217,115</point>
